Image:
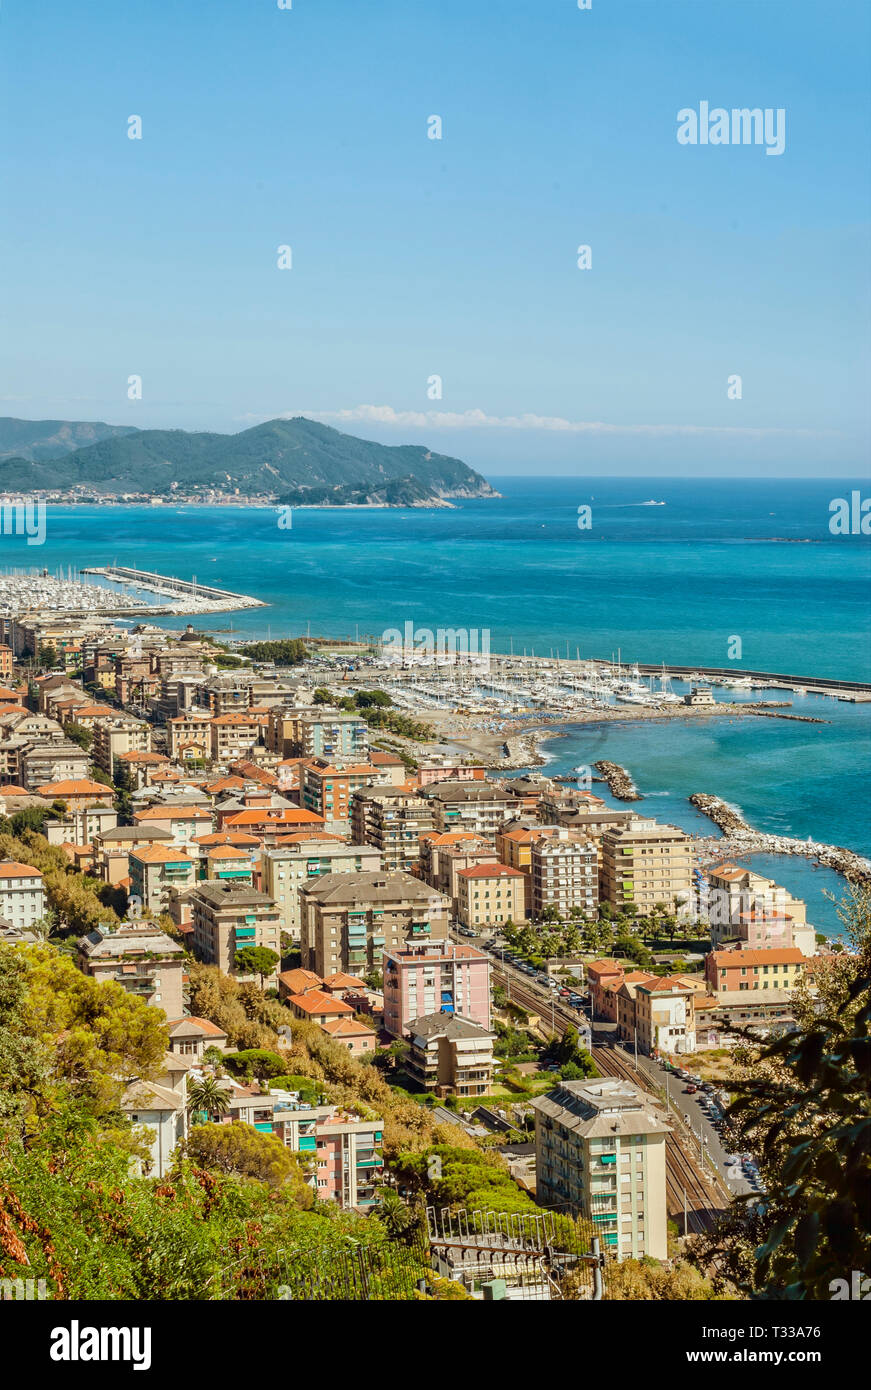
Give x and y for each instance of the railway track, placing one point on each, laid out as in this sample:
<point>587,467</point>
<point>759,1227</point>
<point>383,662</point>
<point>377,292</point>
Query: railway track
<point>688,1189</point>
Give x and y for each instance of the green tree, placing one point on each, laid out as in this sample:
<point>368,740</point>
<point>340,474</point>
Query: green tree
<point>256,960</point>
<point>242,1150</point>
<point>206,1097</point>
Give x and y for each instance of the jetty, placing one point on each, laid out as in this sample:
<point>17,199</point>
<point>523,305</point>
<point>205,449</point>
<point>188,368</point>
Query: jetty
<point>740,838</point>
<point>619,782</point>
<point>190,596</point>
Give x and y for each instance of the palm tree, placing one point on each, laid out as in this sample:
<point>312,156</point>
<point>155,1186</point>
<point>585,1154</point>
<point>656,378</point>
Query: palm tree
<point>206,1097</point>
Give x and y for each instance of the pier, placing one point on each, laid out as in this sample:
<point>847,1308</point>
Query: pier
<point>195,597</point>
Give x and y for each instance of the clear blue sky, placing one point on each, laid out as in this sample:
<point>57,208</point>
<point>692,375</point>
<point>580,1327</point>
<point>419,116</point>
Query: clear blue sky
<point>414,257</point>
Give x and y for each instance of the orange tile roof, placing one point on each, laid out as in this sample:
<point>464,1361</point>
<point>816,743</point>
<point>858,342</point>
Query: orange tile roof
<point>347,1028</point>
<point>782,955</point>
<point>222,837</point>
<point>10,868</point>
<point>490,871</point>
<point>299,979</point>
<point>302,836</point>
<point>80,787</point>
<point>262,815</point>
<point>314,1001</point>
<point>156,854</point>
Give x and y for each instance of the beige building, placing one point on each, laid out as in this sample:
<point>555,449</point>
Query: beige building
<point>285,868</point>
<point>154,870</point>
<point>645,863</point>
<point>564,872</point>
<point>139,957</point>
<point>112,737</point>
<point>190,737</point>
<point>450,1055</point>
<point>489,895</point>
<point>347,921</point>
<point>665,1016</point>
<point>393,819</point>
<point>477,806</point>
<point>226,918</point>
<point>600,1149</point>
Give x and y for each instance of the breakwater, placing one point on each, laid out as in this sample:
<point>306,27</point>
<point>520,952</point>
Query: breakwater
<point>740,838</point>
<point>619,782</point>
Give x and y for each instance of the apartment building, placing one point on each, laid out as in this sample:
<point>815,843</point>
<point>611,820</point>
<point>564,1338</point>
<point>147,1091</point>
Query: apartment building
<point>450,1055</point>
<point>22,894</point>
<point>78,794</point>
<point>345,1150</point>
<point>269,823</point>
<point>226,918</point>
<point>142,959</point>
<point>155,870</point>
<point>190,737</point>
<point>81,827</point>
<point>285,868</point>
<point>444,853</point>
<point>436,976</point>
<point>392,819</point>
<point>600,1149</point>
<point>318,731</point>
<point>748,910</point>
<point>327,788</point>
<point>665,1016</point>
<point>224,863</point>
<point>477,806</point>
<point>600,975</point>
<point>5,662</point>
<point>564,874</point>
<point>736,972</point>
<point>115,736</point>
<point>348,920</point>
<point>184,822</point>
<point>643,864</point>
<point>40,761</point>
<point>582,812</point>
<point>236,734</point>
<point>489,895</point>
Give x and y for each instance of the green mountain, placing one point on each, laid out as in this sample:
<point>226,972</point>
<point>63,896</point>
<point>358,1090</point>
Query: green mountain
<point>293,461</point>
<point>38,440</point>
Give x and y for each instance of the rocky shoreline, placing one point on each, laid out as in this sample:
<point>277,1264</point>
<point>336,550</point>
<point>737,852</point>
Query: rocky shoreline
<point>619,782</point>
<point>741,838</point>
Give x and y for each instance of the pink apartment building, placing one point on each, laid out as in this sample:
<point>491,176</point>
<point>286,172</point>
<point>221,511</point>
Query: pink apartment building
<point>439,977</point>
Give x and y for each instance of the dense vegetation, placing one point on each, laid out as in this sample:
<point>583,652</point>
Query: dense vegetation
<point>278,457</point>
<point>284,652</point>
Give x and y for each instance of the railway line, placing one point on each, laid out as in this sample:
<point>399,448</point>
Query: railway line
<point>688,1190</point>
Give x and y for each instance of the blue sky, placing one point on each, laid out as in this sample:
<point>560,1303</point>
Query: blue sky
<point>415,257</point>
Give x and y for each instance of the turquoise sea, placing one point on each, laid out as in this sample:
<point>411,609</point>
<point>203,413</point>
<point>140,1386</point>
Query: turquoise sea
<point>720,560</point>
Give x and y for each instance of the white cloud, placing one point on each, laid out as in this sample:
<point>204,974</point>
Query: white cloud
<point>556,424</point>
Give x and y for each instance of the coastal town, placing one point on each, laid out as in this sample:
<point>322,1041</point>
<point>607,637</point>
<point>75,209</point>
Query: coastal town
<point>371,932</point>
